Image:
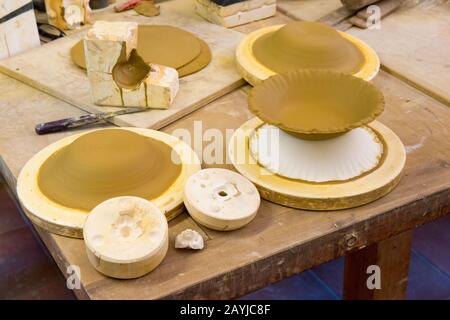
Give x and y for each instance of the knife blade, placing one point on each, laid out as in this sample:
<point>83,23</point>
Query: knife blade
<point>76,122</point>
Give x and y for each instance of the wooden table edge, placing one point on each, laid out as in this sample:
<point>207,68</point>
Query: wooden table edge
<point>332,245</point>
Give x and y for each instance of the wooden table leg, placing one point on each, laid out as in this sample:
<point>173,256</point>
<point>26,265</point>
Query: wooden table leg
<point>392,257</point>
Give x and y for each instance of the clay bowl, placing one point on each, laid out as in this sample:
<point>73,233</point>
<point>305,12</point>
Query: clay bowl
<point>316,104</point>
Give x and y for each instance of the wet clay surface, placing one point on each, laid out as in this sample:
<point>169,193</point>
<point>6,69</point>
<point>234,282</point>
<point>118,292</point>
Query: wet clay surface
<point>147,8</point>
<point>201,61</point>
<point>165,45</point>
<point>316,102</point>
<point>307,45</point>
<point>130,74</point>
<point>107,163</point>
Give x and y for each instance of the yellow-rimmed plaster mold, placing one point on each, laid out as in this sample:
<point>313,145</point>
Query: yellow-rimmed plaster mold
<point>342,158</point>
<point>320,196</point>
<point>69,221</point>
<point>254,71</point>
<point>307,45</point>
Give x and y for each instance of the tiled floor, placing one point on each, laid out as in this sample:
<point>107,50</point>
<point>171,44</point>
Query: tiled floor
<point>26,269</point>
<point>429,272</point>
<point>28,272</point>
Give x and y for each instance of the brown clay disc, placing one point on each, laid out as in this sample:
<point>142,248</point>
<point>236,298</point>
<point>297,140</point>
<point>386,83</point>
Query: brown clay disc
<point>167,45</point>
<point>307,45</point>
<point>203,59</point>
<point>124,163</point>
<point>175,48</point>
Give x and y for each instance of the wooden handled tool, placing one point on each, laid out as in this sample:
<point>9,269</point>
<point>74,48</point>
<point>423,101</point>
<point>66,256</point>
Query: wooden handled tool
<point>75,122</point>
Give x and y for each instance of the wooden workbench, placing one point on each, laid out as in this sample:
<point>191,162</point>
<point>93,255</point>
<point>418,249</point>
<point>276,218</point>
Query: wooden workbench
<point>280,241</point>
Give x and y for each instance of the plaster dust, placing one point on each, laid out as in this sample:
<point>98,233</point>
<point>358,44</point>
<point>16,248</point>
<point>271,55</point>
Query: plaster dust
<point>130,74</point>
<point>108,163</point>
<point>307,45</point>
<point>311,103</point>
<point>164,45</point>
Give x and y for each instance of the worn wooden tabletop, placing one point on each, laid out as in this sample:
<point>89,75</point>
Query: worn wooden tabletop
<point>280,241</point>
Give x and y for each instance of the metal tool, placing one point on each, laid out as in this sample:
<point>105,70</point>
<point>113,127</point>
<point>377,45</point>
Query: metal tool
<point>76,122</point>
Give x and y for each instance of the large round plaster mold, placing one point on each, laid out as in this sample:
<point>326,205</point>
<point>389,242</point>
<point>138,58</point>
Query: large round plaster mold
<point>342,158</point>
<point>255,72</point>
<point>66,221</point>
<point>326,195</point>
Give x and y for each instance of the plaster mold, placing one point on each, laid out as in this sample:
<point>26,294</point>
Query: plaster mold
<point>118,76</point>
<point>236,14</point>
<point>176,48</point>
<point>124,162</point>
<point>338,159</point>
<point>221,199</point>
<point>126,237</point>
<point>256,70</point>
